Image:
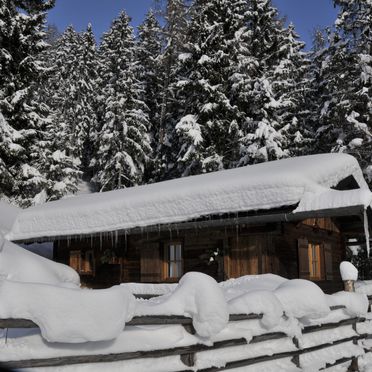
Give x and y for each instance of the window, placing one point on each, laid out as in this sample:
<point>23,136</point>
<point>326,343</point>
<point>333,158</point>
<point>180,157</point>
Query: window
<point>315,261</point>
<point>75,260</point>
<point>173,261</point>
<point>88,263</point>
<point>82,262</point>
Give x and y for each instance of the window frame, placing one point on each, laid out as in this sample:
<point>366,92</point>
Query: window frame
<point>75,253</point>
<point>317,248</point>
<point>86,260</point>
<point>167,261</point>
<point>83,258</point>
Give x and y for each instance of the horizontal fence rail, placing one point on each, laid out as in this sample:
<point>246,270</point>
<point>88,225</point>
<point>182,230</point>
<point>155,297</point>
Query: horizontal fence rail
<point>187,354</point>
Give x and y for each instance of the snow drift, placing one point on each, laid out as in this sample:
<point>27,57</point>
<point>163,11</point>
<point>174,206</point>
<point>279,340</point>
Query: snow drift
<point>8,215</point>
<point>197,296</point>
<point>66,314</point>
<point>18,264</point>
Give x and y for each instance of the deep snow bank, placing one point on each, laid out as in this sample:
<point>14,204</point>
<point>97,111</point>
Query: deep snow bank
<point>8,215</point>
<point>65,314</point>
<point>197,296</point>
<point>18,264</point>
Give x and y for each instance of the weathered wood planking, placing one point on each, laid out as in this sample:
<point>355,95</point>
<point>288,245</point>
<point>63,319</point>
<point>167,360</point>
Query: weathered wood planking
<point>248,249</point>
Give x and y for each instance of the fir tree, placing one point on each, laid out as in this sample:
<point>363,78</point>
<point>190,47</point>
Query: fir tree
<point>268,86</point>
<point>61,91</point>
<point>123,142</point>
<point>22,139</point>
<point>345,85</point>
<point>201,89</point>
<point>87,106</point>
<point>175,34</point>
<point>151,76</point>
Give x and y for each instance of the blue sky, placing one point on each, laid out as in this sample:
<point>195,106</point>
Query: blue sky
<point>305,14</point>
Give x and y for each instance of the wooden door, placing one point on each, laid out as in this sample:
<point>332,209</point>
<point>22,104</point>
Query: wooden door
<point>245,255</point>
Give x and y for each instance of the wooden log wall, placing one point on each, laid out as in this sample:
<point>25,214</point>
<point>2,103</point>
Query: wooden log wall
<point>267,248</point>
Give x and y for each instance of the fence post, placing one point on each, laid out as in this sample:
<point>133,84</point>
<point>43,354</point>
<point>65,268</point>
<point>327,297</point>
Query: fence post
<point>349,286</point>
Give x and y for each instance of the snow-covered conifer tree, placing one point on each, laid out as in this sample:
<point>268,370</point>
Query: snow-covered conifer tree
<point>202,85</point>
<point>345,85</point>
<point>123,141</point>
<point>151,76</point>
<point>268,86</point>
<point>22,139</point>
<point>70,99</point>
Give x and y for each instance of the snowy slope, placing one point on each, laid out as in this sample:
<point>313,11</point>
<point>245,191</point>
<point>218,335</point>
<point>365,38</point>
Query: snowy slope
<point>263,186</point>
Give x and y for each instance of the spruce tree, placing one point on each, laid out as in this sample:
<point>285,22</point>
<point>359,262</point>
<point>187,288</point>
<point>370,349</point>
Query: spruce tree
<point>202,87</point>
<point>123,141</point>
<point>345,85</point>
<point>268,86</point>
<point>22,140</point>
<point>61,92</point>
<point>174,37</point>
<point>151,76</point>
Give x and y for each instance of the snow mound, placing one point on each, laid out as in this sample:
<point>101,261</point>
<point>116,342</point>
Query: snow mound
<point>258,302</point>
<point>364,286</point>
<point>348,271</point>
<point>8,216</point>
<point>154,289</point>
<point>20,265</point>
<point>302,298</point>
<point>68,315</point>
<point>257,187</point>
<point>356,303</point>
<point>266,282</point>
<point>197,296</point>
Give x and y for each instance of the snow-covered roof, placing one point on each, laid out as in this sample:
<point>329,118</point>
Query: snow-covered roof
<point>305,180</point>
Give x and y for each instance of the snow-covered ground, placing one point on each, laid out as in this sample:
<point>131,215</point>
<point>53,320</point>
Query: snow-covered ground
<point>75,322</point>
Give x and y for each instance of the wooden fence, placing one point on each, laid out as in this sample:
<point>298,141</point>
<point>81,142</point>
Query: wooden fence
<point>188,354</point>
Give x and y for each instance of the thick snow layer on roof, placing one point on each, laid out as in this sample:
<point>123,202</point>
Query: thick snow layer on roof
<point>262,186</point>
<point>333,199</point>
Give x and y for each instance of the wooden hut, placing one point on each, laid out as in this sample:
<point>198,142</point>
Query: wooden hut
<point>292,217</point>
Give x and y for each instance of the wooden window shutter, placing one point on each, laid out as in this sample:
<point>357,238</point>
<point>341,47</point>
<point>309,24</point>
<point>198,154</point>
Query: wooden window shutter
<point>328,261</point>
<point>75,260</point>
<point>151,263</point>
<point>303,259</point>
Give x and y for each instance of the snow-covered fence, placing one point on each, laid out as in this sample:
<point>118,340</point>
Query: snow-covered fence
<point>330,343</point>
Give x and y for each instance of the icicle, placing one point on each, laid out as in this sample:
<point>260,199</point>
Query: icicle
<point>116,238</point>
<point>112,239</point>
<point>100,241</point>
<point>237,234</point>
<point>366,231</point>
